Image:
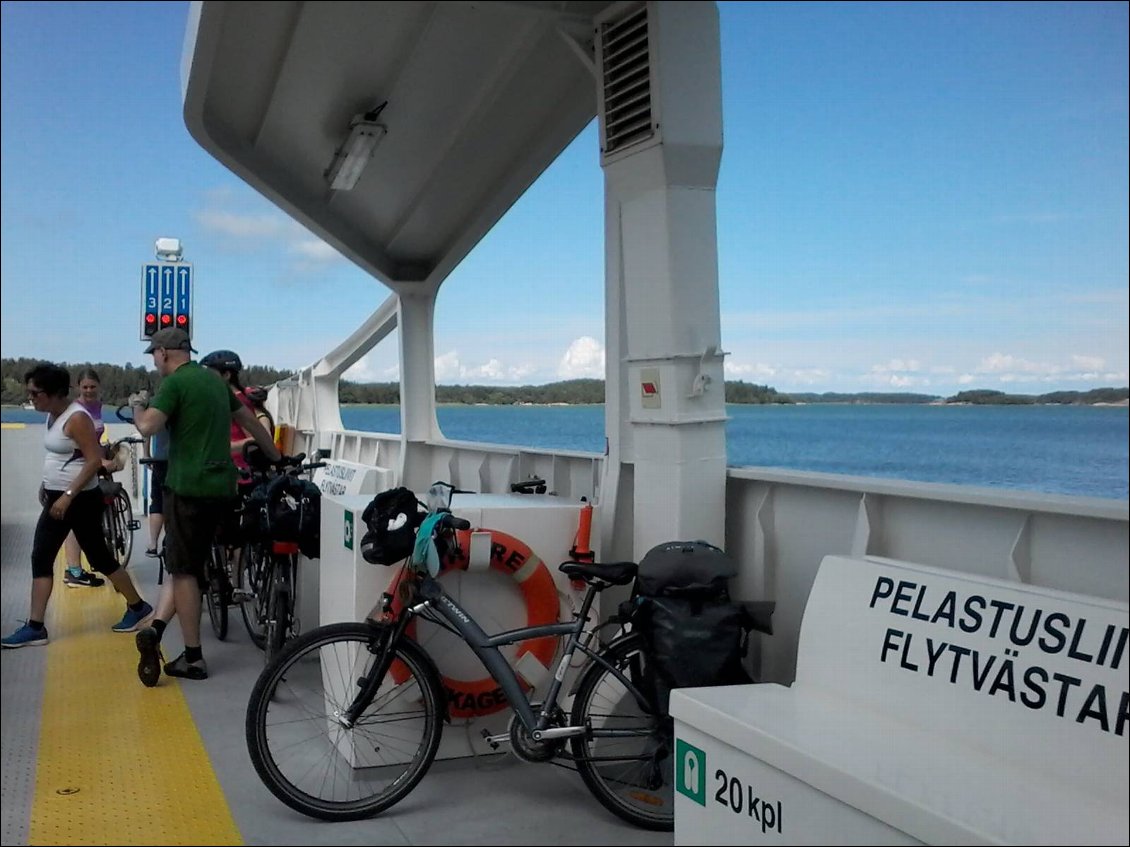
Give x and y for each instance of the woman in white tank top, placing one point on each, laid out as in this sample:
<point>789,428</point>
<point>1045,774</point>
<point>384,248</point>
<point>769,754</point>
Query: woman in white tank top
<point>71,500</point>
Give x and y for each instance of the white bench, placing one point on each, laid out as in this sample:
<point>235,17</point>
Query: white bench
<point>922,712</point>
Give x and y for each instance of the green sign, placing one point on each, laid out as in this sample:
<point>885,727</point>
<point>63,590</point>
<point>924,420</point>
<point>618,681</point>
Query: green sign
<point>690,771</point>
<point>347,534</point>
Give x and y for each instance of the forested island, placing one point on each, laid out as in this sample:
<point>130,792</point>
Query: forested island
<point>118,382</point>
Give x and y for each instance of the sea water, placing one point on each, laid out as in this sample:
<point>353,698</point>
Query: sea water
<point>1081,450</point>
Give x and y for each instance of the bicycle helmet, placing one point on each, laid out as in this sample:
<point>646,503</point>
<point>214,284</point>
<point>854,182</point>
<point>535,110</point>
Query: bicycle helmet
<point>222,360</point>
<point>255,393</point>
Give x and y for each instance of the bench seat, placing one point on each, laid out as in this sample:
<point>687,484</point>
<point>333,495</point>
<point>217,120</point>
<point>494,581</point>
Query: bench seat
<point>862,750</point>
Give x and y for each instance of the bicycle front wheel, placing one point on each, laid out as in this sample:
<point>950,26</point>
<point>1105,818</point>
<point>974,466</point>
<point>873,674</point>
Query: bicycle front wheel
<point>215,598</point>
<point>280,605</point>
<point>305,754</point>
<point>626,758</point>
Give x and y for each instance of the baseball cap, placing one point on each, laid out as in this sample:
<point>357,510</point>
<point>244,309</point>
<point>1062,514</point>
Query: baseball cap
<point>169,338</point>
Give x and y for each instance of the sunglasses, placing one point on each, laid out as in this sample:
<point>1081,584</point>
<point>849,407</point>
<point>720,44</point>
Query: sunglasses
<point>35,392</point>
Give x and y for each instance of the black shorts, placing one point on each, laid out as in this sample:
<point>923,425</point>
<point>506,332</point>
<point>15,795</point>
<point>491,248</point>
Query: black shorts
<point>190,529</point>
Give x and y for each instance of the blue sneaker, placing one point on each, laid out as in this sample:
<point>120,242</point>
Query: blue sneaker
<point>25,636</point>
<point>131,620</point>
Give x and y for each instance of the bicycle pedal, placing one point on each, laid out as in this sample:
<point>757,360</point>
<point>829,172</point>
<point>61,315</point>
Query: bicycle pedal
<point>495,740</point>
<point>134,525</point>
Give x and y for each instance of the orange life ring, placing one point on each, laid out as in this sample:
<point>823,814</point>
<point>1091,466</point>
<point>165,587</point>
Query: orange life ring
<point>512,557</point>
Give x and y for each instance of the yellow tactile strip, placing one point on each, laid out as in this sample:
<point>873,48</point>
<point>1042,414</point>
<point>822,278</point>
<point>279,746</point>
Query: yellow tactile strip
<point>118,763</point>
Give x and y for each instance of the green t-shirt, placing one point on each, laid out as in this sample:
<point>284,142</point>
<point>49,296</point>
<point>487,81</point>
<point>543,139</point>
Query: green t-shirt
<point>199,406</point>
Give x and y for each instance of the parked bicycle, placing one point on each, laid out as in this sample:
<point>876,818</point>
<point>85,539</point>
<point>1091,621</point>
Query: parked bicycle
<point>118,523</point>
<point>266,584</point>
<point>221,571</point>
<point>346,721</point>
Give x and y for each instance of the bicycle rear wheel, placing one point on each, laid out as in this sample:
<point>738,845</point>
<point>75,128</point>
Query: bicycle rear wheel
<point>216,597</point>
<point>626,759</point>
<point>253,582</point>
<point>308,758</point>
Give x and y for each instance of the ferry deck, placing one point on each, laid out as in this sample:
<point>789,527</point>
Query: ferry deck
<point>90,756</point>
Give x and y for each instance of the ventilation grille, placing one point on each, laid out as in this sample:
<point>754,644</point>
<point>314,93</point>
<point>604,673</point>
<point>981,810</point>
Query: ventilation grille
<point>626,79</point>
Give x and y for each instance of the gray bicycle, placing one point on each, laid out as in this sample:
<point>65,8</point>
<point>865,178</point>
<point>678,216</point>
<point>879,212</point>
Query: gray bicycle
<point>347,719</point>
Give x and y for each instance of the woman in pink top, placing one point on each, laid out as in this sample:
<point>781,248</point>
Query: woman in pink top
<point>90,398</point>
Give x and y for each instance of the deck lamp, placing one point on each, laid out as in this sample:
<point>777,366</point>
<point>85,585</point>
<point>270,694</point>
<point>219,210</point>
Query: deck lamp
<point>351,157</point>
<point>168,249</point>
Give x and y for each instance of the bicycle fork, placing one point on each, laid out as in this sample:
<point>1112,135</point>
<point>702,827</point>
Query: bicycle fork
<point>383,646</point>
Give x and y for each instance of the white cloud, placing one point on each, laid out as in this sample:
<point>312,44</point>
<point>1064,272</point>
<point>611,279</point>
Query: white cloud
<point>316,250</point>
<point>449,368</point>
<point>583,359</point>
<point>759,370</point>
<point>810,376</point>
<point>1088,363</point>
<point>897,366</point>
<point>265,226</point>
<point>999,363</point>
<point>269,231</point>
<point>367,369</point>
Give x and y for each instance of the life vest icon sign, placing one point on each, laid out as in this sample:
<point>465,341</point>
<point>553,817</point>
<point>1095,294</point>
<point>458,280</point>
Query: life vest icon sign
<point>690,778</point>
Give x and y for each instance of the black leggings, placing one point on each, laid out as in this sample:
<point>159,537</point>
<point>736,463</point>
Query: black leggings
<point>84,516</point>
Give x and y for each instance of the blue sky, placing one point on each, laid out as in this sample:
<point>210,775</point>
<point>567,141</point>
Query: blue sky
<point>913,197</point>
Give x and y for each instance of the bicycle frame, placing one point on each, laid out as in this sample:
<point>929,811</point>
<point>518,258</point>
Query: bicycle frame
<point>432,596</point>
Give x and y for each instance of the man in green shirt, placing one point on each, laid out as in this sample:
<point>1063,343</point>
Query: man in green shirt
<point>197,408</point>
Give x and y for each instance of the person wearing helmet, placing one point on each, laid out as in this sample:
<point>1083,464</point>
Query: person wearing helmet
<point>228,365</point>
<point>258,397</point>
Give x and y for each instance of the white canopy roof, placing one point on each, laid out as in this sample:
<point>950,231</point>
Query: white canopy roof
<point>481,98</point>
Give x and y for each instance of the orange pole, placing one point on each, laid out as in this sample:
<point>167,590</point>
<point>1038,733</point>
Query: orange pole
<point>581,551</point>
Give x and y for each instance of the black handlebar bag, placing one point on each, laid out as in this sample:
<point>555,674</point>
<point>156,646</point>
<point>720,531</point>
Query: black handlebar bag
<point>391,520</point>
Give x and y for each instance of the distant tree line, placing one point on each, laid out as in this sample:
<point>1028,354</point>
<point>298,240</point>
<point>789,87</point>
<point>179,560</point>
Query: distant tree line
<point>572,391</point>
<point>119,382</point>
<point>864,397</point>
<point>985,397</point>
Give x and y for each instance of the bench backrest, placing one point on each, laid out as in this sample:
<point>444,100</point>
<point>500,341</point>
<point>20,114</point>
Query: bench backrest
<point>1032,676</point>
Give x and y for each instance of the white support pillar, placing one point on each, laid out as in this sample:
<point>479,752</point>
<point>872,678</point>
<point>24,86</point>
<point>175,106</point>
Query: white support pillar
<point>417,377</point>
<point>664,377</point>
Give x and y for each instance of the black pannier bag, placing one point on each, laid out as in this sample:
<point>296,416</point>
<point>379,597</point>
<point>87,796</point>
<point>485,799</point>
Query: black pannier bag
<point>255,522</point>
<point>391,520</point>
<point>681,606</point>
<point>290,509</point>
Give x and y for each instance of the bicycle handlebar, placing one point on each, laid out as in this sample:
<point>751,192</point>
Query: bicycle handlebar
<point>449,521</point>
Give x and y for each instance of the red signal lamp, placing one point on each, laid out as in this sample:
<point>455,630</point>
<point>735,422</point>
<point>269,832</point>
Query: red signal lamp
<point>166,320</point>
<point>182,321</point>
